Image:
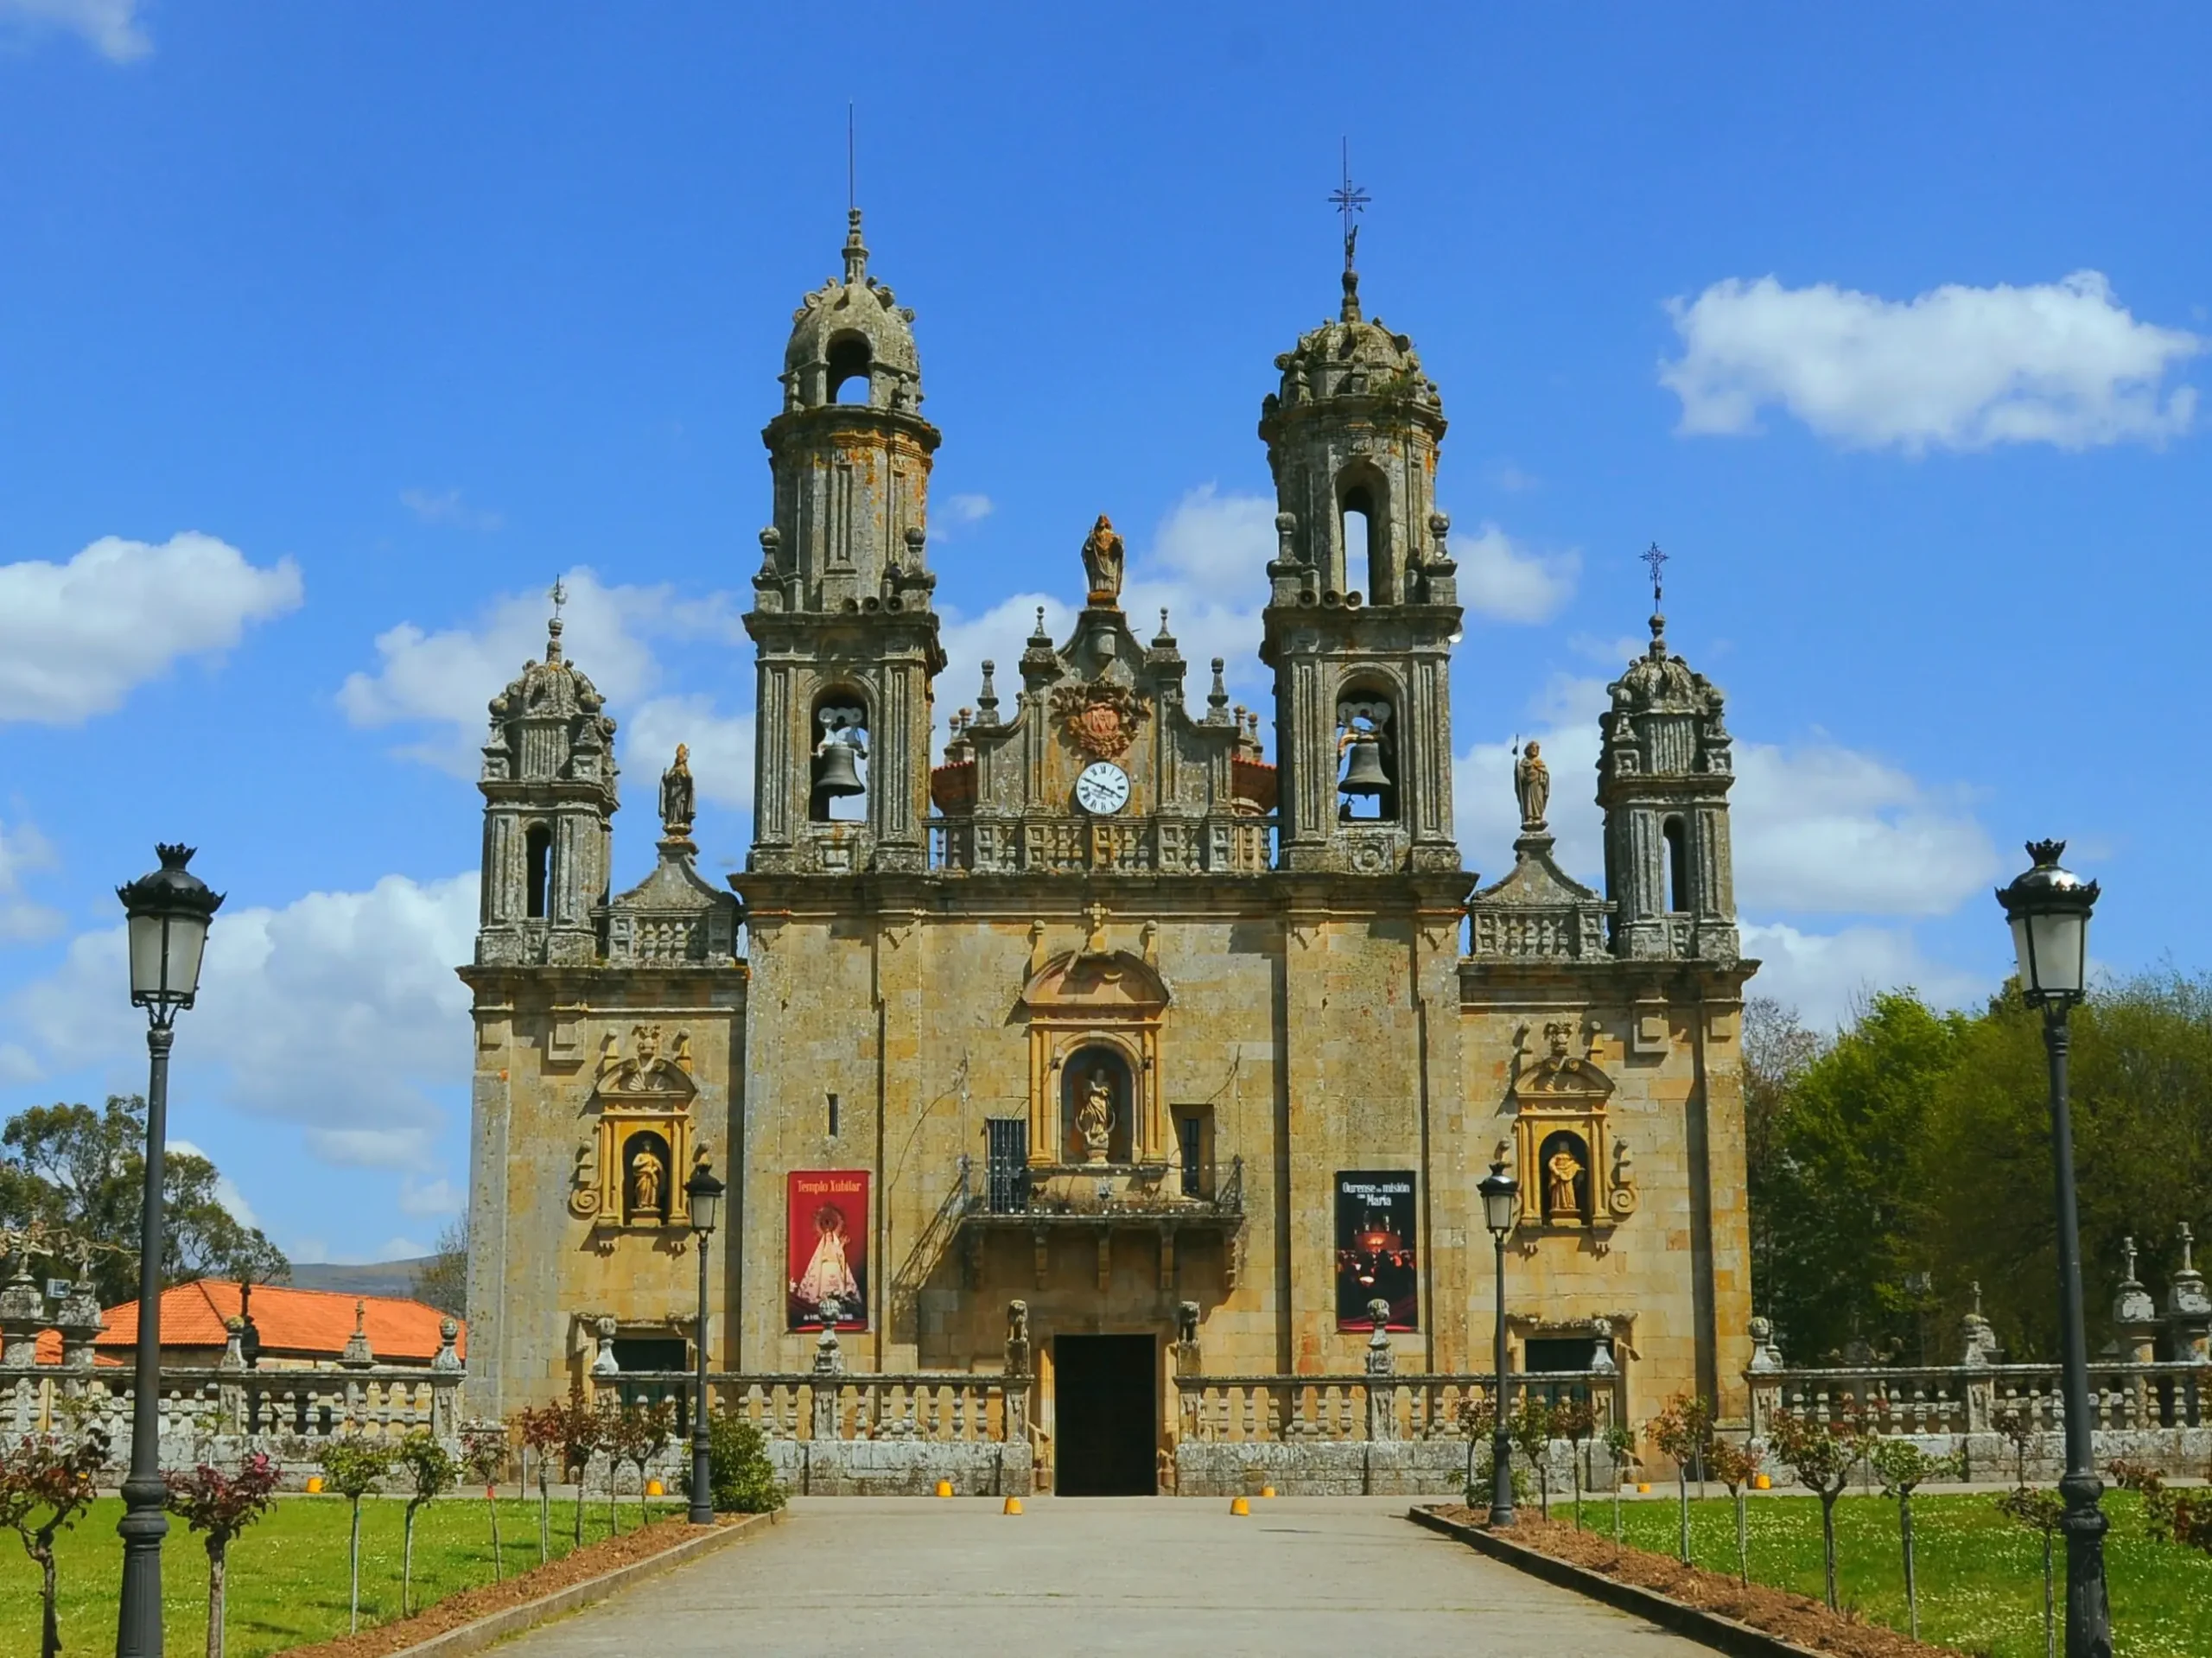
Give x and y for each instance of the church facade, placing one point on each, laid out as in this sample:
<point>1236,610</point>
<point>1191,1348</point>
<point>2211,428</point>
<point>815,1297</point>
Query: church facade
<point>1105,1007</point>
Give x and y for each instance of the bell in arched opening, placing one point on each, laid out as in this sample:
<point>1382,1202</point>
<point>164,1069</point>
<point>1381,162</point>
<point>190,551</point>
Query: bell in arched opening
<point>1363,773</point>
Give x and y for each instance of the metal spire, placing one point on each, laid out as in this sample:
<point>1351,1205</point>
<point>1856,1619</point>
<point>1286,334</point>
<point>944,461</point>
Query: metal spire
<point>1350,201</point>
<point>1655,559</point>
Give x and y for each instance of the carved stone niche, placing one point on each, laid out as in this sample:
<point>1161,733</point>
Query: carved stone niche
<point>1095,1009</point>
<point>631,1174</point>
<point>1573,1175</point>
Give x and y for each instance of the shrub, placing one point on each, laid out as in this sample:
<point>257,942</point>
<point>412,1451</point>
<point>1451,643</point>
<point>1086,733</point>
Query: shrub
<point>742,1479</point>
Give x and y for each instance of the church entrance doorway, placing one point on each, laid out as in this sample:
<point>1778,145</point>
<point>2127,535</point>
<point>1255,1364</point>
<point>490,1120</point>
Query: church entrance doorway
<point>1105,1415</point>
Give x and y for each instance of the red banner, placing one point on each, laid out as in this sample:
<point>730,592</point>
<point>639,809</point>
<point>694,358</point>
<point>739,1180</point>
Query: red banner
<point>826,1248</point>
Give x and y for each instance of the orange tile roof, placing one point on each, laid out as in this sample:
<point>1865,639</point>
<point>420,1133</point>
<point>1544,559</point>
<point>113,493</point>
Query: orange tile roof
<point>303,1323</point>
<point>49,1352</point>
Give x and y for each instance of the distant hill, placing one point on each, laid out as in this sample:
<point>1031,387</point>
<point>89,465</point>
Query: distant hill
<point>370,1278</point>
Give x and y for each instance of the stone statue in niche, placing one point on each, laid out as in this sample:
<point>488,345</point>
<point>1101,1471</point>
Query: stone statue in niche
<point>1094,1118</point>
<point>1532,786</point>
<point>1563,1173</point>
<point>677,796</point>
<point>645,1175</point>
<point>1103,558</point>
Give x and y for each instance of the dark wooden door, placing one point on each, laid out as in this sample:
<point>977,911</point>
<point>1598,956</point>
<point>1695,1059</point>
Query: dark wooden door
<point>1105,1415</point>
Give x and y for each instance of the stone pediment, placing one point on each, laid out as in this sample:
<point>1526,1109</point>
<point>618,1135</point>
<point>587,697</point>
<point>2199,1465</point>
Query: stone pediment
<point>645,1069</point>
<point>1095,983</point>
<point>1536,882</point>
<point>1561,1075</point>
<point>1538,911</point>
<point>672,915</point>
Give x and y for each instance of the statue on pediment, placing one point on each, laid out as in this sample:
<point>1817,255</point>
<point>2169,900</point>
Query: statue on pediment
<point>1103,558</point>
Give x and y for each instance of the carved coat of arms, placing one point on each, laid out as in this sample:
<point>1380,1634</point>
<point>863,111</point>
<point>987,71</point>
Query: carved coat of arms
<point>1101,719</point>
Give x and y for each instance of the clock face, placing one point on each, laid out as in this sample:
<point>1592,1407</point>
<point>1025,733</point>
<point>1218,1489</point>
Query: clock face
<point>1102,789</point>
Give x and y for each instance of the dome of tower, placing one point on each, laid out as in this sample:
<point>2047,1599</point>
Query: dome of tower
<point>550,722</point>
<point>852,327</point>
<point>1354,356</point>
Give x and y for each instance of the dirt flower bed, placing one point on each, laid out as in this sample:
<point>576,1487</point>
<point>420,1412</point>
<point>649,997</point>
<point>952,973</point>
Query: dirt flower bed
<point>1777,1611</point>
<point>467,1607</point>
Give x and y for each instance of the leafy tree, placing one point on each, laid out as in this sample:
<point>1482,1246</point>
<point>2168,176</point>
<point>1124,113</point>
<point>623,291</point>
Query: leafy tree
<point>1822,1460</point>
<point>442,1277</point>
<point>1683,1433</point>
<point>1575,1420</point>
<point>1530,1427</point>
<point>1735,1466</point>
<point>431,1471</point>
<point>580,1431</point>
<point>353,1466</point>
<point>541,1428</point>
<point>2039,1511</point>
<point>639,1434</point>
<point>1775,1051</point>
<point>44,1485</point>
<point>1902,1467</point>
<point>484,1453</point>
<point>222,1505</point>
<point>83,1171</point>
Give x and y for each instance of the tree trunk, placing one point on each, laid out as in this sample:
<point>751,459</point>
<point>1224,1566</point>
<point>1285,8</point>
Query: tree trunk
<point>1544,1485</point>
<point>1911,1591</point>
<point>215,1562</point>
<point>49,1624</point>
<point>1682,1490</point>
<point>580,1507</point>
<point>1827,1541</point>
<point>492,1501</point>
<point>407,1562</point>
<point>353,1571</point>
<point>545,1515</point>
<point>1574,1467</point>
<point>613,1468</point>
<point>1617,1508</point>
<point>1743,1540</point>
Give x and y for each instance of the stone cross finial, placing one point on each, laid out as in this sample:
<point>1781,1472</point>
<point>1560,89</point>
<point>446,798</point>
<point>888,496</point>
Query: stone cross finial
<point>2127,1260</point>
<point>2188,1244</point>
<point>357,1352</point>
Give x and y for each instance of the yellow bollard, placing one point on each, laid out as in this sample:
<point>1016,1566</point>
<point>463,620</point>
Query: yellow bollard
<point>945,1488</point>
<point>1643,1488</point>
<point>1239,1505</point>
<point>314,1485</point>
<point>654,1487</point>
<point>1763,1483</point>
<point>1267,1490</point>
<point>1013,1506</point>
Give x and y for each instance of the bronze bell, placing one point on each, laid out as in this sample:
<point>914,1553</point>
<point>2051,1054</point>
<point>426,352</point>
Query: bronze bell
<point>1365,775</point>
<point>834,772</point>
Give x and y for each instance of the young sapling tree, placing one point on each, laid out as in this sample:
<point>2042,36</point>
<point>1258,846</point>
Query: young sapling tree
<point>2039,1511</point>
<point>353,1465</point>
<point>1620,1448</point>
<point>541,1429</point>
<point>1681,1433</point>
<point>1530,1428</point>
<point>431,1472</point>
<point>44,1485</point>
<point>484,1454</point>
<point>1736,1466</point>
<point>222,1505</point>
<point>1902,1467</point>
<point>1575,1420</point>
<point>1822,1459</point>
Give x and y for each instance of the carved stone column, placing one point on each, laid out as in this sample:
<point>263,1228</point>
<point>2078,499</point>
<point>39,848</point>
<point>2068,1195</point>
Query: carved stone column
<point>22,1311</point>
<point>1382,1370</point>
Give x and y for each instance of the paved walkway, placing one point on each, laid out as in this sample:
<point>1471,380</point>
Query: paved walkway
<point>1157,1576</point>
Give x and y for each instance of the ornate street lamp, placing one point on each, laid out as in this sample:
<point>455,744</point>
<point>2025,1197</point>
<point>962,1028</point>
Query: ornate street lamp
<point>2049,908</point>
<point>170,912</point>
<point>1499,1191</point>
<point>705,1192</point>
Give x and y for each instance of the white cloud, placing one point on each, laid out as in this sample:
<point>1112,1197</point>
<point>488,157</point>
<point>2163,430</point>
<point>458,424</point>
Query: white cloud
<point>22,919</point>
<point>335,1012</point>
<point>438,1197</point>
<point>1819,827</point>
<point>1499,580</point>
<point>226,1190</point>
<point>110,27</point>
<point>445,680</point>
<point>957,513</point>
<point>1564,721</point>
<point>1827,976</point>
<point>1958,368</point>
<point>722,747</point>
<point>445,506</point>
<point>76,639</point>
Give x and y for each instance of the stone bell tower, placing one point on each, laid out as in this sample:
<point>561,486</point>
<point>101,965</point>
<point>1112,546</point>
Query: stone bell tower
<point>1362,609</point>
<point>847,643</point>
<point>549,807</point>
<point>1664,769</point>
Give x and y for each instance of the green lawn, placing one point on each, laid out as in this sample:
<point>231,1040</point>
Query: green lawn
<point>1980,1576</point>
<point>287,1584</point>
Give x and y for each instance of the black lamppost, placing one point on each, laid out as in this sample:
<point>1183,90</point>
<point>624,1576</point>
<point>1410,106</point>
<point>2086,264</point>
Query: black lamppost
<point>1499,1190</point>
<point>169,912</point>
<point>2049,908</point>
<point>705,1192</point>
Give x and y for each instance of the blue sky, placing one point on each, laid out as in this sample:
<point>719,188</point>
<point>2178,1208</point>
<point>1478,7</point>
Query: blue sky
<point>330,335</point>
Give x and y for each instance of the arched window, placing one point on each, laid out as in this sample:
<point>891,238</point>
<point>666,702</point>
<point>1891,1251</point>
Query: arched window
<point>1678,866</point>
<point>1096,1115</point>
<point>1360,525</point>
<point>1367,759</point>
<point>838,785</point>
<point>537,870</point>
<point>849,365</point>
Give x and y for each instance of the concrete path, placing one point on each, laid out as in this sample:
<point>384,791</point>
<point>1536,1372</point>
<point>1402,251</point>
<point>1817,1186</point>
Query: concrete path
<point>1159,1576</point>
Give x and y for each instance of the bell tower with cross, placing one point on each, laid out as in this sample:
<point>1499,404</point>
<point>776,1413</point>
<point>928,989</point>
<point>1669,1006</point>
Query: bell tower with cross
<point>841,608</point>
<point>1363,607</point>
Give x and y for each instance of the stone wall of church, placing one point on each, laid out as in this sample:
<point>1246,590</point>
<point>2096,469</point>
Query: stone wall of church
<point>545,1258</point>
